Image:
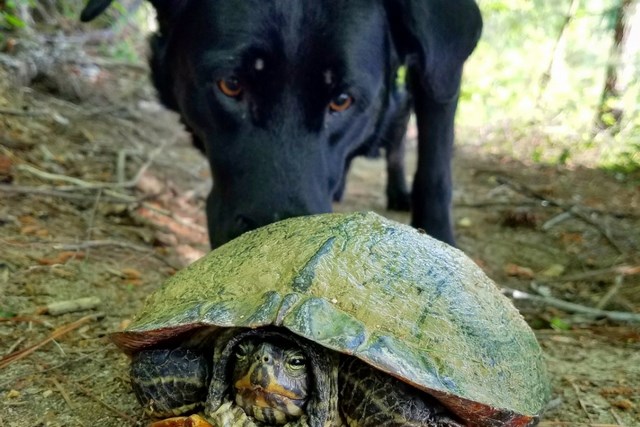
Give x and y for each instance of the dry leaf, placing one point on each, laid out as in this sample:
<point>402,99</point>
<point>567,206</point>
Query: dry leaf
<point>514,270</point>
<point>34,230</point>
<point>554,271</point>
<point>131,274</point>
<point>616,391</point>
<point>61,258</point>
<point>5,164</point>
<point>624,404</point>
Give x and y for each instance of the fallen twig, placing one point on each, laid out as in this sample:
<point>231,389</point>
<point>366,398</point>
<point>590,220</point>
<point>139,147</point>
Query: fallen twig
<point>95,185</point>
<point>101,243</point>
<point>571,307</point>
<point>491,204</point>
<point>583,406</point>
<point>617,285</point>
<point>71,180</point>
<point>618,270</point>
<point>115,198</point>
<point>63,307</point>
<point>124,245</point>
<point>616,416</point>
<point>556,220</point>
<point>112,63</point>
<point>606,232</point>
<point>571,209</point>
<point>63,393</point>
<point>23,113</point>
<point>92,217</point>
<point>104,110</point>
<point>21,319</point>
<point>63,193</point>
<point>21,354</point>
<point>107,187</point>
<point>15,345</point>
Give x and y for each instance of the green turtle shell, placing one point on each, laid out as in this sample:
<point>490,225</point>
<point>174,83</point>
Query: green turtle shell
<point>366,286</point>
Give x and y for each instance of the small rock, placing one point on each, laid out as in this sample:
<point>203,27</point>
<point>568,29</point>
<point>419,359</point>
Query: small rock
<point>47,393</point>
<point>59,119</point>
<point>465,222</point>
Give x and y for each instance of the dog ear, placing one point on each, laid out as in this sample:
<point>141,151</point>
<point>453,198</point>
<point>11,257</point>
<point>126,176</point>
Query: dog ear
<point>436,37</point>
<point>167,10</point>
<point>93,9</point>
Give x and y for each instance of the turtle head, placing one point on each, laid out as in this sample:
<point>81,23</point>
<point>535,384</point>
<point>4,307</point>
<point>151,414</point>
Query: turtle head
<point>270,379</point>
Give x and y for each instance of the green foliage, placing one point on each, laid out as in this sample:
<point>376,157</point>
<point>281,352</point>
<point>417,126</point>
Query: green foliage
<point>610,15</point>
<point>119,17</point>
<point>6,314</point>
<point>543,114</point>
<point>125,18</point>
<point>621,151</point>
<point>9,19</point>
<point>559,324</point>
<point>119,7</point>
<point>123,50</point>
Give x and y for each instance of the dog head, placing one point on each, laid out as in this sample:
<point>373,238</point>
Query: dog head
<point>281,94</point>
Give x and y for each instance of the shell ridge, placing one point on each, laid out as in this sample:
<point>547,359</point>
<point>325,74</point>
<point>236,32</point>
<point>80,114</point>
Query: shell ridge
<point>289,302</point>
<point>304,279</point>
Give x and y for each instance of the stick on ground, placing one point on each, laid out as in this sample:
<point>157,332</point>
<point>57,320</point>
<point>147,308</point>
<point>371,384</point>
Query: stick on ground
<point>571,307</point>
<point>21,354</point>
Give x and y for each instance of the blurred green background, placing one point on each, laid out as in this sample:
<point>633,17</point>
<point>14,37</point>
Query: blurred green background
<point>535,89</point>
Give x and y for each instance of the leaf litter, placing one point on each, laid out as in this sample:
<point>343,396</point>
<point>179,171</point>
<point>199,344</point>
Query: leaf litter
<point>91,208</point>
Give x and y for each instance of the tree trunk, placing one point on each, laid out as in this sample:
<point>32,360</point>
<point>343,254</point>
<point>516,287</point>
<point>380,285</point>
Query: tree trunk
<point>620,66</point>
<point>558,48</point>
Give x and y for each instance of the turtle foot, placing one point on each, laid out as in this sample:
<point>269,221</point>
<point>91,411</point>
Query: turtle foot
<point>192,421</point>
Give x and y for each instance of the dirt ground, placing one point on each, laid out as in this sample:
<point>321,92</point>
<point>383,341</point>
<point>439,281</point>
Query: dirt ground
<point>104,198</point>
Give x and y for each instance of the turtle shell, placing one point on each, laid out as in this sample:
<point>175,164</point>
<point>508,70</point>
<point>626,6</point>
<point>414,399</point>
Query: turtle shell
<point>366,286</point>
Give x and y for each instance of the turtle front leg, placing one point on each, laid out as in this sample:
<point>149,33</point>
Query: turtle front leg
<point>170,382</point>
<point>231,415</point>
<point>191,421</point>
<point>370,398</point>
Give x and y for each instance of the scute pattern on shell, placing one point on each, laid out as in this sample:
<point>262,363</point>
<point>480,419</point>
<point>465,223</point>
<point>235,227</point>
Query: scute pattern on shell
<point>360,284</point>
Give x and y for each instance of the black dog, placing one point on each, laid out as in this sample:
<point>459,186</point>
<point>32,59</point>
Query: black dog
<point>281,95</point>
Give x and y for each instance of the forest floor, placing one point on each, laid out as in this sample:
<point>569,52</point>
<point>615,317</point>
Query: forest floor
<point>103,197</point>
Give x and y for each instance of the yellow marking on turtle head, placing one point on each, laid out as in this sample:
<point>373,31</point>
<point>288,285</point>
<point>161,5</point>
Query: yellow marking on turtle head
<point>245,383</point>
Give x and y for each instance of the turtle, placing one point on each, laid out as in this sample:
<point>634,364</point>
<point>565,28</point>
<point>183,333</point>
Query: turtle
<point>335,320</point>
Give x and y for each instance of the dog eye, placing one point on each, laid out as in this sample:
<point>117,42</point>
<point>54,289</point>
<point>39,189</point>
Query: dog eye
<point>230,86</point>
<point>341,103</point>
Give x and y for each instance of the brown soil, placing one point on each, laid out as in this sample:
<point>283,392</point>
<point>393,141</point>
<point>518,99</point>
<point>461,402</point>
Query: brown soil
<point>61,240</point>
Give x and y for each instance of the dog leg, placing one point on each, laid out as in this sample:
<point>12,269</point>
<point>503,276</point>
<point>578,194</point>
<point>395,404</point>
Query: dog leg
<point>432,186</point>
<point>398,197</point>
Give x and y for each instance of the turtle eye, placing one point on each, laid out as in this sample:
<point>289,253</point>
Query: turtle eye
<point>296,362</point>
<point>230,86</point>
<point>341,103</point>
